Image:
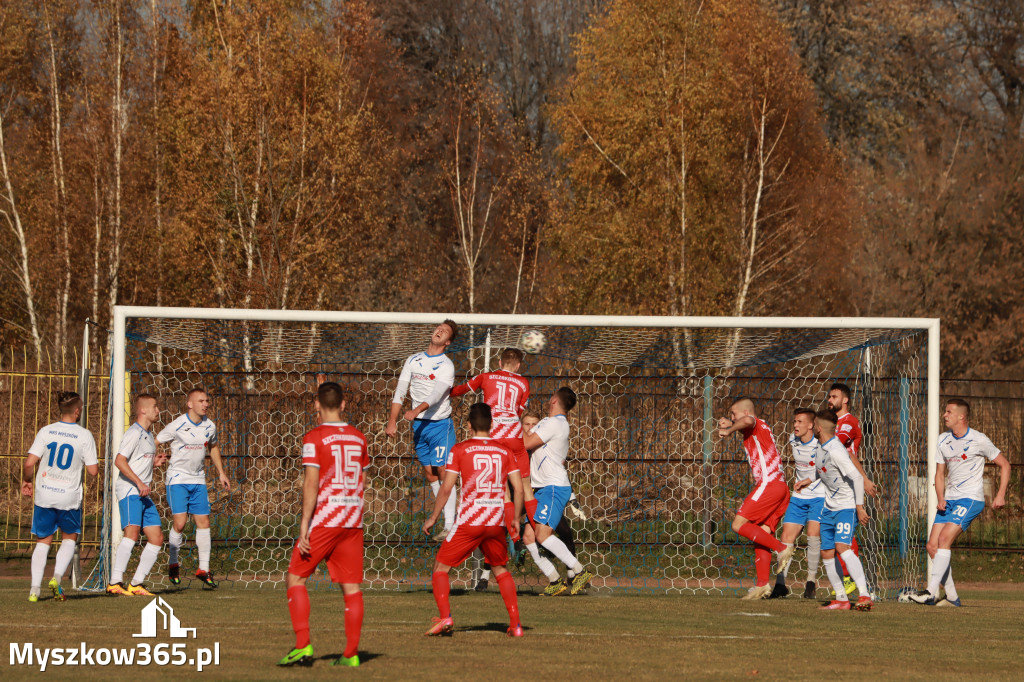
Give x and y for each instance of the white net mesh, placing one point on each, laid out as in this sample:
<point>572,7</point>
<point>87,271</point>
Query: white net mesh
<point>657,486</point>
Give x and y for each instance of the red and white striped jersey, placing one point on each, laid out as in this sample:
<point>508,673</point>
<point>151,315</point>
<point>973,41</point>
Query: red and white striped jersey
<point>339,451</point>
<point>762,453</point>
<point>507,393</point>
<point>483,466</point>
<point>849,433</point>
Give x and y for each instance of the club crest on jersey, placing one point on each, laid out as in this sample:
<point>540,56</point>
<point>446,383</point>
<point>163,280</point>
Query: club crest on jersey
<point>963,456</point>
<point>432,376</point>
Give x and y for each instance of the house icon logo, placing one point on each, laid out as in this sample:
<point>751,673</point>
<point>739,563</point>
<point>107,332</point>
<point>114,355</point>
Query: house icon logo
<point>159,612</point>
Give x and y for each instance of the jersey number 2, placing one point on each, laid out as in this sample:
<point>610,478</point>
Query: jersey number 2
<point>346,464</point>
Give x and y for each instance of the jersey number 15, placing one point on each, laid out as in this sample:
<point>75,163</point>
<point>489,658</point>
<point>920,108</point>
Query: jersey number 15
<point>346,464</point>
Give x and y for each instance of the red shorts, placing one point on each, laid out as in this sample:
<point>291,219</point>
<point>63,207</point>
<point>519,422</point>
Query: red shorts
<point>490,539</point>
<point>519,454</point>
<point>341,548</point>
<point>769,507</point>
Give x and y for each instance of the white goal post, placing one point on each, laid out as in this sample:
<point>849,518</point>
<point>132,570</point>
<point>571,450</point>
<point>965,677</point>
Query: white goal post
<point>492,332</point>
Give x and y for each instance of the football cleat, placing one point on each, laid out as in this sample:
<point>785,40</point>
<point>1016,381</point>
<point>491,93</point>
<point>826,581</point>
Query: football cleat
<point>864,603</point>
<point>206,578</point>
<point>923,597</point>
<point>348,661</point>
<point>849,585</point>
<point>481,586</point>
<point>556,588</point>
<point>580,582</point>
<point>303,657</point>
<point>174,574</point>
<point>949,602</point>
<point>515,630</point>
<point>441,627</point>
<point>836,605</point>
<point>780,591</point>
<point>139,590</point>
<point>439,535</point>
<point>58,592</point>
<point>810,589</point>
<point>119,589</point>
<point>33,597</point>
<point>757,592</point>
<point>519,555</point>
<point>783,558</point>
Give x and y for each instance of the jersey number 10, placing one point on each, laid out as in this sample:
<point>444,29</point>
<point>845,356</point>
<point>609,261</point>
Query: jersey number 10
<point>62,455</point>
<point>346,465</point>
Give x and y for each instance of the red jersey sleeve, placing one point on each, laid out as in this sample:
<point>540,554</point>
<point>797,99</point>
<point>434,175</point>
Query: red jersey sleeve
<point>309,457</point>
<point>455,459</point>
<point>473,384</point>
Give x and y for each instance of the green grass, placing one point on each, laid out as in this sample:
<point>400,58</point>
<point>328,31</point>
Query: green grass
<point>600,636</point>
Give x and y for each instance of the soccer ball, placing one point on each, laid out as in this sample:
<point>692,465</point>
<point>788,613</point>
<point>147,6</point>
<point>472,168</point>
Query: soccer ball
<point>904,595</point>
<point>533,341</point>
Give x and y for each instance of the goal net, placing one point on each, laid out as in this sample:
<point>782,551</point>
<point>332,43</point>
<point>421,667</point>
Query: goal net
<point>656,486</point>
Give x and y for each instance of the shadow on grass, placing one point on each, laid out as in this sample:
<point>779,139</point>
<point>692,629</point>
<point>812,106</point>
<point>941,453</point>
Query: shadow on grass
<point>488,627</point>
<point>364,657</point>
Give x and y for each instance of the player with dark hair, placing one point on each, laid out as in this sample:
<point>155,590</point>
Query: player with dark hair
<point>191,436</point>
<point>763,508</point>
<point>428,378</point>
<point>334,457</point>
<point>484,466</point>
<point>61,450</point>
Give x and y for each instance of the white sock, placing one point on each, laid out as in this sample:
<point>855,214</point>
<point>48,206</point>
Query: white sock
<point>173,545</point>
<point>485,574</point>
<point>939,565</point>
<point>146,560</point>
<point>65,554</point>
<point>558,548</point>
<point>785,573</point>
<point>837,582</point>
<point>948,584</point>
<point>203,545</point>
<point>434,487</point>
<point>813,557</point>
<point>449,512</point>
<point>121,559</point>
<point>39,554</point>
<point>856,570</point>
<point>545,566</point>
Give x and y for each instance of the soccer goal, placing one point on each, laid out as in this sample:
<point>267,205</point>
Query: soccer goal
<point>656,486</point>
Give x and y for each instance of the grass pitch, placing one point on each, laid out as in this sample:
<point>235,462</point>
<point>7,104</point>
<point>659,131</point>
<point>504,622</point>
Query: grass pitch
<point>595,637</point>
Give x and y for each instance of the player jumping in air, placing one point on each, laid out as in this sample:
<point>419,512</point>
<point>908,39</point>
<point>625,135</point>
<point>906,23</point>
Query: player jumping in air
<point>549,442</point>
<point>136,457</point>
<point>763,508</point>
<point>428,378</point>
<point>844,507</point>
<point>805,505</point>
<point>191,435</point>
<point>484,466</point>
<point>959,471</point>
<point>334,457</point>
<point>61,450</point>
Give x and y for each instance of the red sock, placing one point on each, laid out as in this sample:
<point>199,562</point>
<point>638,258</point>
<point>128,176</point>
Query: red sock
<point>507,585</point>
<point>531,509</point>
<point>441,591</point>
<point>761,537</point>
<point>510,515</point>
<point>853,546</point>
<point>762,563</point>
<point>298,607</point>
<point>353,623</point>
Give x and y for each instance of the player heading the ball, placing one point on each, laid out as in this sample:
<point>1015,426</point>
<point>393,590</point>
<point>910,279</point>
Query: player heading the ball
<point>484,466</point>
<point>61,450</point>
<point>763,508</point>
<point>960,461</point>
<point>427,378</point>
<point>334,459</point>
<point>191,436</point>
<point>135,459</point>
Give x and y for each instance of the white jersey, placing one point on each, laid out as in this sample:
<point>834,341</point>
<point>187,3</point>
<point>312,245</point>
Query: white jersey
<point>427,379</point>
<point>139,448</point>
<point>804,467</point>
<point>844,486</point>
<point>63,449</point>
<point>547,463</point>
<point>189,444</point>
<point>965,459</point>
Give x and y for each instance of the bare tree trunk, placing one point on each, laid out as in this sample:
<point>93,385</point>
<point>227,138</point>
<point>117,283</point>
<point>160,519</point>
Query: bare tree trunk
<point>117,125</point>
<point>60,198</point>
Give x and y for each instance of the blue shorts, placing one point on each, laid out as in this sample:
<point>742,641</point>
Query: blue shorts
<point>433,440</point>
<point>188,498</point>
<point>46,521</point>
<point>961,512</point>
<point>551,501</point>
<point>837,527</point>
<point>138,511</point>
<point>800,510</point>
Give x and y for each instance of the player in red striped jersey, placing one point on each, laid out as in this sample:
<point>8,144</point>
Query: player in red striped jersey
<point>333,459</point>
<point>764,507</point>
<point>484,466</point>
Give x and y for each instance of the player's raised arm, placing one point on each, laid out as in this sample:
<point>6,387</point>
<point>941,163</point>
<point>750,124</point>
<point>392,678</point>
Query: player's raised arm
<point>473,385</point>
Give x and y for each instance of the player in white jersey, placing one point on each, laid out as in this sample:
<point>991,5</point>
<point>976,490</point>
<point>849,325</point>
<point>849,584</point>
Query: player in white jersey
<point>136,457</point>
<point>191,435</point>
<point>844,507</point>
<point>960,491</point>
<point>427,378</point>
<point>61,450</point>
<point>549,443</point>
<point>805,506</point>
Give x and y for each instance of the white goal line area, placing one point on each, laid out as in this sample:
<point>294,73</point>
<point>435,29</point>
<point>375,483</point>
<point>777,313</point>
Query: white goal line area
<point>642,419</point>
